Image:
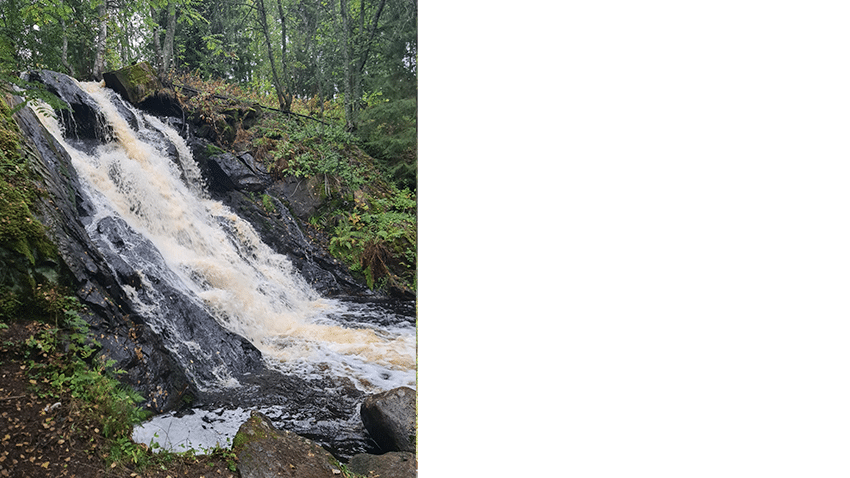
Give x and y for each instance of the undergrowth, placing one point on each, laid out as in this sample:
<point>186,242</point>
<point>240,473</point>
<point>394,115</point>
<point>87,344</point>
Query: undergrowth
<point>62,358</point>
<point>377,238</point>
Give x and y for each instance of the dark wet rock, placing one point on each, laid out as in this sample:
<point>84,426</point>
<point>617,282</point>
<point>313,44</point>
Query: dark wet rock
<point>83,121</point>
<point>303,195</point>
<point>265,452</point>
<point>390,419</point>
<point>65,212</point>
<point>99,272</point>
<point>228,171</point>
<point>134,260</point>
<point>395,464</point>
<point>322,409</point>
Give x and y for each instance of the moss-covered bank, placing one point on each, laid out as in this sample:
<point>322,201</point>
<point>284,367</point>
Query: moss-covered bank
<point>28,260</point>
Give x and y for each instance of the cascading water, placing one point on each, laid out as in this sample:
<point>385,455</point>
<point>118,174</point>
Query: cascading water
<point>155,219</point>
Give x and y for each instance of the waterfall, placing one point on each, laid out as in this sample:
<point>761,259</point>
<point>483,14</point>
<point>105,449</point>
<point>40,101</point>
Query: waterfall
<point>162,225</point>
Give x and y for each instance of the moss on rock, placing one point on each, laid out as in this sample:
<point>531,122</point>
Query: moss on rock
<point>27,256</point>
<point>135,83</point>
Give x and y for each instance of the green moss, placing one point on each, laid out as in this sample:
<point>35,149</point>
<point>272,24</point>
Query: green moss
<point>27,256</point>
<point>240,439</point>
<point>20,231</point>
<point>213,150</point>
<point>140,81</point>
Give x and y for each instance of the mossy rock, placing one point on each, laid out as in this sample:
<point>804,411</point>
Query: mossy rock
<point>135,83</point>
<point>140,85</point>
<point>265,451</point>
<point>27,256</point>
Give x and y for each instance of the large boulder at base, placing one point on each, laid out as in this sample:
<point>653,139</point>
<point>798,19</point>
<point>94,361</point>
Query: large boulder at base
<point>395,464</point>
<point>390,419</point>
<point>140,86</point>
<point>265,452</point>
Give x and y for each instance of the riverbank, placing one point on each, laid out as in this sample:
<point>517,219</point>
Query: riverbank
<point>46,431</point>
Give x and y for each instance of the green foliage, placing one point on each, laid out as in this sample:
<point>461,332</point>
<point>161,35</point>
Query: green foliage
<point>125,450</point>
<point>228,454</point>
<point>388,129</point>
<point>62,359</point>
<point>346,473</point>
<point>378,239</point>
<point>310,149</point>
<point>268,205</point>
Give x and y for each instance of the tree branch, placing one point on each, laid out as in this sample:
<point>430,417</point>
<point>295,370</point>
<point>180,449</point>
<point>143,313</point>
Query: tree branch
<point>232,98</point>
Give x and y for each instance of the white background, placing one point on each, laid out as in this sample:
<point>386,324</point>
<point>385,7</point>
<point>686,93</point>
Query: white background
<point>634,241</point>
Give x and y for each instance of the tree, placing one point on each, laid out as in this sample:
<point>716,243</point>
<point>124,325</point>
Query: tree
<point>357,45</point>
<point>170,29</point>
<point>100,42</point>
<point>282,98</point>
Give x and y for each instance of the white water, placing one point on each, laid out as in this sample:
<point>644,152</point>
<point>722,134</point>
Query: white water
<point>219,259</point>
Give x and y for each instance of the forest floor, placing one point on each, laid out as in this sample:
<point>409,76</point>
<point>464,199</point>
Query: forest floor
<point>41,436</point>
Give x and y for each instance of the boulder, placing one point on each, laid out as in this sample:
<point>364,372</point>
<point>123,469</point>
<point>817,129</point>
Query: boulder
<point>242,172</point>
<point>303,195</point>
<point>390,419</point>
<point>395,464</point>
<point>139,85</point>
<point>265,452</point>
<point>135,83</point>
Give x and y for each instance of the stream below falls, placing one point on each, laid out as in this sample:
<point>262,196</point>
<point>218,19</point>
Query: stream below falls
<point>192,262</point>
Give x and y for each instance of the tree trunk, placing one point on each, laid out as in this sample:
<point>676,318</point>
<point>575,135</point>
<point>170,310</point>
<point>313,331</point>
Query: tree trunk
<point>278,87</point>
<point>100,43</point>
<point>168,49</point>
<point>286,77</point>
<point>157,49</point>
<point>126,52</point>
<point>65,63</point>
<point>367,44</point>
<point>354,72</point>
<point>348,82</point>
